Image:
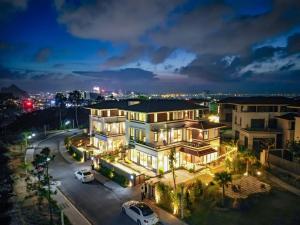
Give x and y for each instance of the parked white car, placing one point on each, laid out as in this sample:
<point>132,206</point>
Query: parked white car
<point>140,213</point>
<point>84,175</point>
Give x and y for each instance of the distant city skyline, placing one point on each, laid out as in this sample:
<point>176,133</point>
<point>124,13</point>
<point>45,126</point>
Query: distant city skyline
<point>151,46</point>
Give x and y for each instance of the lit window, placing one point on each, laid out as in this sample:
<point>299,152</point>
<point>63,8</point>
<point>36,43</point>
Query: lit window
<point>155,117</point>
<point>155,136</point>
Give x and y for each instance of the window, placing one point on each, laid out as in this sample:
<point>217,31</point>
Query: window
<point>205,135</point>
<point>197,113</point>
<point>155,117</point>
<point>155,136</point>
<point>131,132</point>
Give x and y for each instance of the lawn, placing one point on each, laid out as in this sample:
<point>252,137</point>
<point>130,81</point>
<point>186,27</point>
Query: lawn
<point>277,208</point>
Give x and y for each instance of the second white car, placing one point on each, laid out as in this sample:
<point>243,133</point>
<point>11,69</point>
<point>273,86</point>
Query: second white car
<point>140,213</point>
<point>84,176</point>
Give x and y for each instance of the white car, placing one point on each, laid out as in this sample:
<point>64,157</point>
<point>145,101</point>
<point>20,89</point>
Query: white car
<point>140,213</point>
<point>84,175</point>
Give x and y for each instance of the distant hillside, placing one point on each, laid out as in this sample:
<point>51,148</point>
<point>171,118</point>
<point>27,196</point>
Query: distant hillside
<point>15,91</point>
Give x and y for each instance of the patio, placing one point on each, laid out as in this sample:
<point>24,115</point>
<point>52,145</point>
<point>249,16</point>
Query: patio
<point>245,186</point>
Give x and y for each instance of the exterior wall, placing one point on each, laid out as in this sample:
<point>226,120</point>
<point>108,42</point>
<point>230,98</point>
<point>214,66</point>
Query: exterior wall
<point>252,135</point>
<point>297,129</point>
<point>242,120</point>
<point>287,131</point>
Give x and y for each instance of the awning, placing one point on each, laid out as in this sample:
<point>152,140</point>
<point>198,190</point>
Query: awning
<point>197,153</point>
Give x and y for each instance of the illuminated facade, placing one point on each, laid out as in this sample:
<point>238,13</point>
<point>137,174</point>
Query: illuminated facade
<point>260,121</point>
<point>152,128</point>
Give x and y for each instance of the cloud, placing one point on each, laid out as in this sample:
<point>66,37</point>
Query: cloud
<point>42,55</point>
<point>160,55</point>
<point>113,20</point>
<point>132,54</point>
<point>7,74</point>
<point>213,68</point>
<point>217,29</point>
<point>294,43</point>
<point>7,7</point>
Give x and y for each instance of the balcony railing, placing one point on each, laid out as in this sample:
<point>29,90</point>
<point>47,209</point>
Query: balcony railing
<point>109,134</point>
<point>195,144</point>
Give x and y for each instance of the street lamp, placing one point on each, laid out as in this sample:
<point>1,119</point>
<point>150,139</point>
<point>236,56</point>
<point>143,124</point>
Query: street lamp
<point>33,135</point>
<point>67,122</point>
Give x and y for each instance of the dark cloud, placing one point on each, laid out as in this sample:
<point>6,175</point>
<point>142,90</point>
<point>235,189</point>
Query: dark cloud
<point>294,43</point>
<point>160,55</point>
<point>42,55</point>
<point>213,68</point>
<point>113,20</point>
<point>124,75</point>
<point>287,67</point>
<point>216,29</point>
<point>7,74</point>
<point>7,7</point>
<point>265,52</point>
<point>131,54</point>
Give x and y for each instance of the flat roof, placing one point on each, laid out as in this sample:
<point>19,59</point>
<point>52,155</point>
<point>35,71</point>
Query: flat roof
<point>152,105</point>
<point>163,105</point>
<point>258,100</point>
<point>288,116</point>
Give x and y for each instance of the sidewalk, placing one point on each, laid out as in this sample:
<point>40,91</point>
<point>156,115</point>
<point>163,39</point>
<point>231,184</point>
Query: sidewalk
<point>73,214</point>
<point>166,217</point>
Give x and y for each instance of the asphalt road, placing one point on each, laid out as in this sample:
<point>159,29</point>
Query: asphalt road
<point>100,205</point>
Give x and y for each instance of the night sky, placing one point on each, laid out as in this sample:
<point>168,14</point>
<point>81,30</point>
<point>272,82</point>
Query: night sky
<point>151,45</point>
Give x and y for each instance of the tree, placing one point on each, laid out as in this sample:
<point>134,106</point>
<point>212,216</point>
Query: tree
<point>60,101</point>
<point>42,186</point>
<point>172,162</point>
<point>223,178</point>
<point>76,99</point>
<point>249,159</point>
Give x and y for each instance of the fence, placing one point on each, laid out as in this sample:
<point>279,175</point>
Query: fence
<point>284,164</point>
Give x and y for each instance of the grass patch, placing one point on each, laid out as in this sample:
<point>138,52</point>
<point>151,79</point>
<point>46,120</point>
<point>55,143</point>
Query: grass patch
<point>278,207</point>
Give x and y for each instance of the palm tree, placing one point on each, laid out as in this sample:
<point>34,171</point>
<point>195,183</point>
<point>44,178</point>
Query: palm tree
<point>75,98</point>
<point>60,101</point>
<point>249,158</point>
<point>223,178</point>
<point>172,162</point>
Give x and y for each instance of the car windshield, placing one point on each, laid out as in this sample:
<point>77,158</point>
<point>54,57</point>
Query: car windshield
<point>87,173</point>
<point>146,210</point>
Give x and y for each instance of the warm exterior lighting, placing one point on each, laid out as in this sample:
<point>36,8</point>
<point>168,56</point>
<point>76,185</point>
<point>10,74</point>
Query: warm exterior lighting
<point>214,118</point>
<point>157,195</point>
<point>246,174</point>
<point>258,173</point>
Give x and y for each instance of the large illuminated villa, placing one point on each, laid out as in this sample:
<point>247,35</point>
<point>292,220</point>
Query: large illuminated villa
<point>149,129</point>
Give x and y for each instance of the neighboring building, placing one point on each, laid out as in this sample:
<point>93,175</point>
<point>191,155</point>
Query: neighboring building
<point>152,128</point>
<point>257,121</point>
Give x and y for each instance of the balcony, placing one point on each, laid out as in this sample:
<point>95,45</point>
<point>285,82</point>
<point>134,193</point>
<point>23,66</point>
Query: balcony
<point>195,145</point>
<point>264,130</point>
<point>109,134</point>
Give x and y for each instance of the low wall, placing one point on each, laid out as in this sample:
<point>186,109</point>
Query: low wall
<point>284,164</point>
<point>136,179</point>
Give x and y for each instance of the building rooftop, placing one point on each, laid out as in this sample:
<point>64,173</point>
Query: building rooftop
<point>288,116</point>
<point>259,100</point>
<point>160,105</point>
<point>111,104</point>
<point>153,105</point>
